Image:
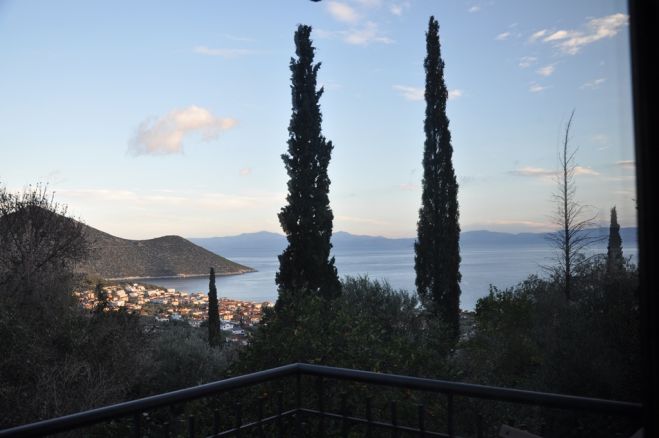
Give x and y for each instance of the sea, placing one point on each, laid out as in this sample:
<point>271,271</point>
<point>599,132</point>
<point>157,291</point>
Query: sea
<point>482,266</point>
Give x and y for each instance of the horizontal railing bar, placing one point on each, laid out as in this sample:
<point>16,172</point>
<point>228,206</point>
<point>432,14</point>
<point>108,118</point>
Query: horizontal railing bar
<point>373,423</point>
<point>93,416</point>
<point>477,391</point>
<point>86,418</point>
<point>252,424</point>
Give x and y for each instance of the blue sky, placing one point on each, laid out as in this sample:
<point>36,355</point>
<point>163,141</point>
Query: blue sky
<point>149,118</point>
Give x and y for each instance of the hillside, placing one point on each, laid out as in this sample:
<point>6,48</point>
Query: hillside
<point>250,244</point>
<point>114,257</point>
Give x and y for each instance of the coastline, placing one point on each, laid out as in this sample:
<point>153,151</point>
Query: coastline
<point>169,277</point>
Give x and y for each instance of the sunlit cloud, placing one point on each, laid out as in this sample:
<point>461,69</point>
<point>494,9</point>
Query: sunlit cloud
<point>533,172</point>
<point>165,135</point>
<point>363,35</point>
<point>537,35</point>
<point>370,3</point>
<point>399,8</point>
<point>342,12</point>
<point>536,88</point>
<point>596,29</point>
<point>594,84</point>
<point>222,52</point>
<point>474,9</point>
<point>410,93</point>
<point>245,171</point>
<point>503,36</point>
<point>547,70</point>
<point>587,171</point>
<point>627,164</point>
<point>454,94</point>
<point>527,61</point>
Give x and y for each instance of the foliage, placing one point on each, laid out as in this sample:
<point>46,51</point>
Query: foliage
<point>214,335</point>
<point>614,258</point>
<point>437,249</point>
<point>369,327</point>
<point>305,265</point>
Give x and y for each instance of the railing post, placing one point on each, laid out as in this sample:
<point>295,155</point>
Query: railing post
<point>260,417</point>
<point>369,416</point>
<point>216,422</point>
<point>239,419</point>
<point>422,426</point>
<point>394,420</point>
<point>280,412</point>
<point>449,413</point>
<point>344,415</point>
<point>137,425</point>
<point>191,426</point>
<point>321,407</point>
<point>298,404</point>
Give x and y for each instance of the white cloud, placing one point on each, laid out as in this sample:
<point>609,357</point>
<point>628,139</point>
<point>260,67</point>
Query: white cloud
<point>539,172</point>
<point>455,93</point>
<point>527,61</point>
<point>601,139</point>
<point>537,35</point>
<point>580,170</point>
<point>546,70</point>
<point>342,12</point>
<point>536,88</point>
<point>474,9</point>
<point>627,164</point>
<point>594,84</point>
<point>222,52</point>
<point>572,41</point>
<point>408,187</point>
<point>399,8</point>
<point>410,93</point>
<point>503,36</point>
<point>368,34</point>
<point>533,172</point>
<point>165,135</point>
<point>245,171</point>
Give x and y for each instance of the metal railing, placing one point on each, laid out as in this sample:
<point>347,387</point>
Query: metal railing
<point>301,412</point>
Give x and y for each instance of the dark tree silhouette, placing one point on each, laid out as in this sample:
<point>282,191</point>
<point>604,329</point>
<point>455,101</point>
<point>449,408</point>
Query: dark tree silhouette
<point>214,336</point>
<point>437,249</point>
<point>305,265</point>
<point>571,217</point>
<point>615,261</point>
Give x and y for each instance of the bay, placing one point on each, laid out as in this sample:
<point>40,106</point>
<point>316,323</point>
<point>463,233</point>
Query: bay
<point>501,266</point>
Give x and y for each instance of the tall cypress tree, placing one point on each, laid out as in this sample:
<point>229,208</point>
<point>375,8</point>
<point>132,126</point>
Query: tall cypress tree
<point>305,265</point>
<point>437,249</point>
<point>214,336</point>
<point>615,261</point>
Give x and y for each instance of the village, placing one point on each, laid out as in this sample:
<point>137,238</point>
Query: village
<point>167,305</point>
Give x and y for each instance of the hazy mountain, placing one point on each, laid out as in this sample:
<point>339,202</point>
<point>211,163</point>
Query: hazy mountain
<point>249,244</point>
<point>114,257</point>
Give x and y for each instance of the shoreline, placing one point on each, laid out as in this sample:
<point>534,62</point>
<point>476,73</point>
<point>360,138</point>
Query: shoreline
<point>173,277</point>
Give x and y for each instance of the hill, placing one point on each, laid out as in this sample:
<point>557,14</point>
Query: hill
<point>250,244</point>
<point>167,256</point>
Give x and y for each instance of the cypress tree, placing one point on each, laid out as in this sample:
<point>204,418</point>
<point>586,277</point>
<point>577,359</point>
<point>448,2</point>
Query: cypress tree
<point>214,336</point>
<point>615,261</point>
<point>437,249</point>
<point>305,265</point>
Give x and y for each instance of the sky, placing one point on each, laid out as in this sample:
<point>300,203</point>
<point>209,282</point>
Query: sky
<point>152,118</point>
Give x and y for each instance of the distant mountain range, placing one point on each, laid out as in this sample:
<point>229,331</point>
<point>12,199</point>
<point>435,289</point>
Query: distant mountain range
<point>167,256</point>
<point>264,242</point>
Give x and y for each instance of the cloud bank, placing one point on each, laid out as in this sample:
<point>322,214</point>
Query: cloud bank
<point>164,135</point>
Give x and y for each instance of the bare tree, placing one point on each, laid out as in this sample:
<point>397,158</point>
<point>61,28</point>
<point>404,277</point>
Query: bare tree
<point>573,219</point>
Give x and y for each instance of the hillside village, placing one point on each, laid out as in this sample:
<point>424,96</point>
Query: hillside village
<point>167,305</point>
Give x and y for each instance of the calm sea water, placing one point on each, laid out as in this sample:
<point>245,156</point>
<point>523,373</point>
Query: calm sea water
<point>500,266</point>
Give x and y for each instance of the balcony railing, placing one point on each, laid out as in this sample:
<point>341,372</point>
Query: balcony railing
<point>306,410</point>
